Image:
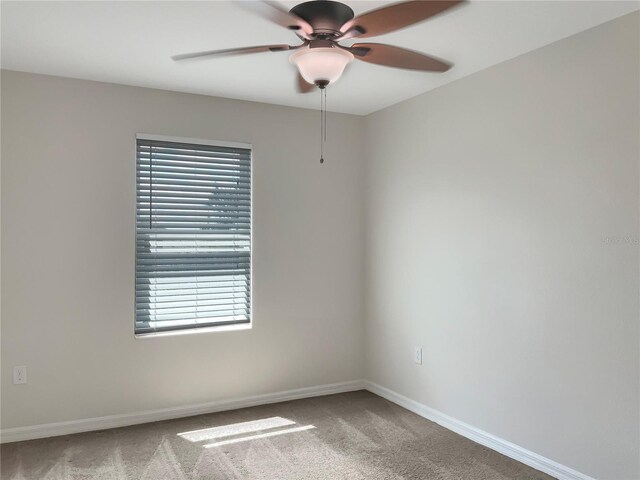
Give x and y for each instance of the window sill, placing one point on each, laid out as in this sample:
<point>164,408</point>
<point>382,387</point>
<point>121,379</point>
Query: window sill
<point>191,331</point>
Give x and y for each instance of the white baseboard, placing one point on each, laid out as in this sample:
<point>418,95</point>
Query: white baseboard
<point>504,447</point>
<point>113,421</point>
<point>18,434</point>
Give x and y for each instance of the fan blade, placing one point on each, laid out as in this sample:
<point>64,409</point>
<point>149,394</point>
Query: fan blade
<point>274,12</point>
<point>303,86</point>
<point>234,51</point>
<point>351,33</point>
<point>397,57</point>
<point>397,16</point>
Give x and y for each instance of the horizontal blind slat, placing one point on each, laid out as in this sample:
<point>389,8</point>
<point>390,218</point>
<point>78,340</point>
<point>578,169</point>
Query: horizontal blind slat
<point>143,327</point>
<point>198,198</point>
<point>187,156</point>
<point>181,146</point>
<point>211,305</point>
<point>162,286</point>
<point>227,193</point>
<point>163,216</point>
<point>192,314</point>
<point>172,298</point>
<point>191,169</point>
<point>178,179</point>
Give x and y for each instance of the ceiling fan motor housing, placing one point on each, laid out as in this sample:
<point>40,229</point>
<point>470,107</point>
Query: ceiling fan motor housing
<point>325,16</point>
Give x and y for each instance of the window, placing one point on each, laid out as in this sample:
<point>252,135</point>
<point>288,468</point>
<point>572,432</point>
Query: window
<point>193,234</point>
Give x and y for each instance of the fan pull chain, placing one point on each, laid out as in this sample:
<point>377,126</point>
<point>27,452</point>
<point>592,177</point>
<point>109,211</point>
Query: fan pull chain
<point>323,120</point>
<point>322,125</point>
<point>325,114</point>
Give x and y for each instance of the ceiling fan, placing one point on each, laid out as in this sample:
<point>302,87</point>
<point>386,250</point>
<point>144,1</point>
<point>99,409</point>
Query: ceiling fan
<point>322,24</point>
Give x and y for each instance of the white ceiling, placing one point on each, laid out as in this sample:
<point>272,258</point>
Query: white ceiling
<point>131,42</point>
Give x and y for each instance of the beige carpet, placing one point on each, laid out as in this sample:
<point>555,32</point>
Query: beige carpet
<point>348,436</point>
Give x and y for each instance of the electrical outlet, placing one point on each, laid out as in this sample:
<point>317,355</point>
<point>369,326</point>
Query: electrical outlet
<point>20,375</point>
<point>417,356</point>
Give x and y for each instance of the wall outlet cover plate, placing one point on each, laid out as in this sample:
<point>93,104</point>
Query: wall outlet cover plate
<point>20,375</point>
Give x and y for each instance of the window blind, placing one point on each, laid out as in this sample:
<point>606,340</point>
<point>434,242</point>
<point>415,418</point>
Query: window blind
<point>193,235</point>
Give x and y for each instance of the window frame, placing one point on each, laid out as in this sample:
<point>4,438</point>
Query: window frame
<point>191,329</point>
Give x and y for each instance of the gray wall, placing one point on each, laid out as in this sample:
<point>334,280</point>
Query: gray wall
<point>68,204</point>
<point>490,202</point>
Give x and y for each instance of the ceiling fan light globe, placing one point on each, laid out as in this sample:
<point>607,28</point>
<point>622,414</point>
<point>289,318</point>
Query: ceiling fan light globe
<point>321,64</point>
